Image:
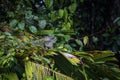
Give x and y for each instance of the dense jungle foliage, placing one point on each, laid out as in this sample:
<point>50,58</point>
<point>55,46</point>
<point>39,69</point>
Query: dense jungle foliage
<point>59,39</point>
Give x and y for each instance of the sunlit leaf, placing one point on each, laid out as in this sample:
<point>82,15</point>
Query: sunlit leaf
<point>11,76</point>
<point>85,40</point>
<point>73,59</point>
<point>68,25</point>
<point>28,70</point>
<point>61,13</point>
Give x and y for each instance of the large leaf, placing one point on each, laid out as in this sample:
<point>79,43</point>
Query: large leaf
<point>41,72</point>
<point>68,64</point>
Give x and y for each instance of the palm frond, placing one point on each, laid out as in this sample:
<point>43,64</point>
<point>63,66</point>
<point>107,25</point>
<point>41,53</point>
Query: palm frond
<point>40,72</point>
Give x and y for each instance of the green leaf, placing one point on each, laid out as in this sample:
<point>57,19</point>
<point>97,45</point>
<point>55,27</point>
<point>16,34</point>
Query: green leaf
<point>85,40</point>
<point>66,26</point>
<point>103,55</point>
<point>72,7</point>
<point>73,59</point>
<point>63,64</point>
<point>48,3</point>
<point>41,72</point>
<point>61,13</point>
<point>33,29</point>
<point>65,14</point>
<point>7,33</point>
<point>79,42</point>
<point>95,39</point>
<point>42,24</point>
<point>13,23</point>
<point>35,17</point>
<point>10,14</point>
<point>67,37</point>
<point>49,78</point>
<point>11,76</point>
<point>106,35</point>
<point>21,25</point>
<point>2,36</point>
<point>46,32</point>
<point>52,15</point>
<point>28,70</point>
